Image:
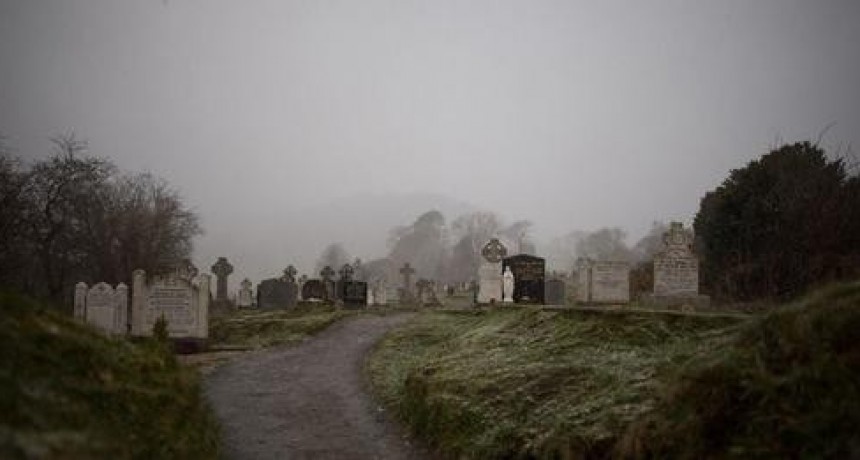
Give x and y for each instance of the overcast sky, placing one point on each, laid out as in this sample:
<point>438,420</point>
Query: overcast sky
<point>575,115</point>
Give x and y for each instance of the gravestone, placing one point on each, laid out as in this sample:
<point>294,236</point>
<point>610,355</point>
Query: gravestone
<point>222,269</point>
<point>327,274</point>
<point>301,288</point>
<point>555,292</point>
<point>103,306</point>
<point>180,297</point>
<point>314,290</point>
<point>508,286</point>
<point>583,279</point>
<point>276,293</point>
<point>406,295</point>
<point>529,273</point>
<point>246,297</point>
<point>676,271</point>
<point>610,282</point>
<point>380,294</point>
<point>490,272</point>
<point>354,293</point>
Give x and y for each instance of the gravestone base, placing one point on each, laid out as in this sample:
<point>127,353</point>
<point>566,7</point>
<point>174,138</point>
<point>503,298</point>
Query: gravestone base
<point>691,302</point>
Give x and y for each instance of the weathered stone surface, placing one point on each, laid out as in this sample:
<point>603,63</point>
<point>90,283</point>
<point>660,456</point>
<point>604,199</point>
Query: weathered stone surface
<point>246,297</point>
<point>554,292</point>
<point>222,270</point>
<point>277,293</point>
<point>610,282</point>
<point>676,268</point>
<point>180,297</point>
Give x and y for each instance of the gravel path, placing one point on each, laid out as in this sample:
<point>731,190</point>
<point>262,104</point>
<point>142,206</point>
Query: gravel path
<point>308,402</point>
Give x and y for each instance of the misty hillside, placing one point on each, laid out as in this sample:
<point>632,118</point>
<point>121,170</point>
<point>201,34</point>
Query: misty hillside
<point>360,222</point>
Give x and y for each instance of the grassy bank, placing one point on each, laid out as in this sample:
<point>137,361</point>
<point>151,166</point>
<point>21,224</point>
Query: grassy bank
<point>69,392</point>
<point>529,382</point>
<point>536,384</point>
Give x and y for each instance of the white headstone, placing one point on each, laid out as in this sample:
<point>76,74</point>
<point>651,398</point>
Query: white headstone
<point>508,285</point>
<point>610,282</point>
<point>182,302</point>
<point>490,272</point>
<point>103,306</point>
<point>245,298</point>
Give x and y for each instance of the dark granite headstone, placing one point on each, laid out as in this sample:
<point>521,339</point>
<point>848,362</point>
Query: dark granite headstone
<point>529,273</point>
<point>554,294</point>
<point>276,293</point>
<point>314,290</point>
<point>353,293</point>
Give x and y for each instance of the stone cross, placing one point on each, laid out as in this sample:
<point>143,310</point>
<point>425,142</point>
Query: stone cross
<point>346,272</point>
<point>290,274</point>
<point>327,273</point>
<point>407,273</point>
<point>222,270</point>
<point>494,251</point>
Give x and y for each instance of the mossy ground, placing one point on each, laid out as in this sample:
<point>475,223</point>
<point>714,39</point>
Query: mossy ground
<point>528,383</point>
<point>67,391</point>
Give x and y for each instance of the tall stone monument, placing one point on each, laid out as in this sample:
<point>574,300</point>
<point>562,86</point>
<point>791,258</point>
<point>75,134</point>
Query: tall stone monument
<point>222,269</point>
<point>676,272</point>
<point>490,271</point>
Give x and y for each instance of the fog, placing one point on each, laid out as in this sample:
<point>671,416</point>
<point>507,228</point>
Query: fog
<point>288,125</point>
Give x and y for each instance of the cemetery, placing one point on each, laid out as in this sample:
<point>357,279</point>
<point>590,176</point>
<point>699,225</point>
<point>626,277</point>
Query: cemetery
<point>513,331</point>
<point>429,230</point>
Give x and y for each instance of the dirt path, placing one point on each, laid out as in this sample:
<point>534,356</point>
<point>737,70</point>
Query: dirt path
<point>308,402</point>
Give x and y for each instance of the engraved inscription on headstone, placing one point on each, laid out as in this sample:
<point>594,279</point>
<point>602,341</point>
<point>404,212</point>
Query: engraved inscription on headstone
<point>676,268</point>
<point>181,298</point>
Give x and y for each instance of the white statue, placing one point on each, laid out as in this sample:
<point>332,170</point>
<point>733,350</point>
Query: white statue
<point>508,285</point>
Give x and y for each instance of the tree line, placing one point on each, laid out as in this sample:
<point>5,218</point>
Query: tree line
<point>773,229</point>
<point>75,217</point>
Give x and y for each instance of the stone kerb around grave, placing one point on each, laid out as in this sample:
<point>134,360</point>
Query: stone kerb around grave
<point>103,306</point>
<point>183,301</point>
